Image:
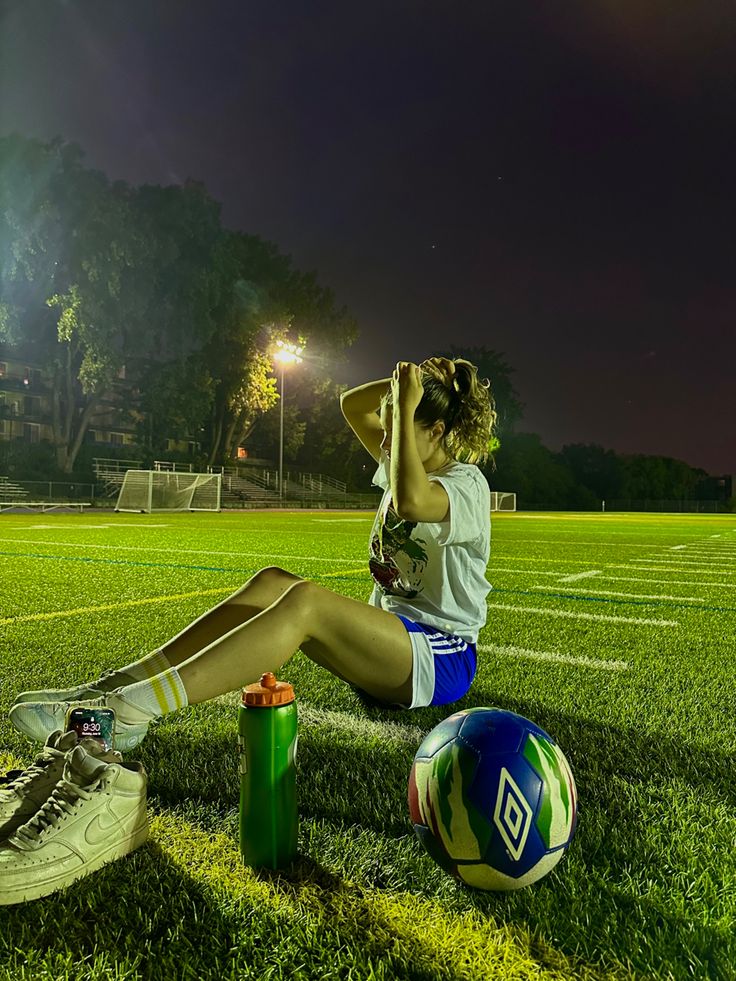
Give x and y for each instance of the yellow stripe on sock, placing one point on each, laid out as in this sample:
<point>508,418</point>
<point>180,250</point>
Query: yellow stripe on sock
<point>155,664</point>
<point>159,684</point>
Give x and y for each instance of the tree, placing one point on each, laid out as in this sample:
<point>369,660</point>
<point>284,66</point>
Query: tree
<point>72,246</point>
<point>330,445</point>
<point>527,467</point>
<point>268,299</point>
<point>601,471</point>
<point>658,478</point>
<point>96,277</point>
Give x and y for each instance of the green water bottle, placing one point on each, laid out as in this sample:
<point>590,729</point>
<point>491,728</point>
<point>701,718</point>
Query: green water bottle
<point>267,726</point>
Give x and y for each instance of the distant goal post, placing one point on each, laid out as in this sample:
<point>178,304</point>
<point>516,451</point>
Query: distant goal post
<point>503,501</point>
<point>160,490</point>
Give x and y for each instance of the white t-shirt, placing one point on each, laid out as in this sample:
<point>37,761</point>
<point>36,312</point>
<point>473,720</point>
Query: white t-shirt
<point>435,572</point>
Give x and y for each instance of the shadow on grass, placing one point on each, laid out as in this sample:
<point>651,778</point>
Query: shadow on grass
<point>146,917</point>
<point>352,779</point>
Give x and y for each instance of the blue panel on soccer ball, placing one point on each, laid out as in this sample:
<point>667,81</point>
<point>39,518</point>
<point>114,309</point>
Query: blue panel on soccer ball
<point>493,731</point>
<point>440,736</point>
<point>506,782</point>
<point>503,860</point>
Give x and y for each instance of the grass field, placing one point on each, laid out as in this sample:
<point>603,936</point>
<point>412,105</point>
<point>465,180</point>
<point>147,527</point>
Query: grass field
<point>614,632</point>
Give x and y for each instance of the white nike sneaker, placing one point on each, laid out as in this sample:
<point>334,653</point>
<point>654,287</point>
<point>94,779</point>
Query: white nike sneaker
<point>95,814</point>
<point>79,694</point>
<point>23,792</point>
<point>38,719</point>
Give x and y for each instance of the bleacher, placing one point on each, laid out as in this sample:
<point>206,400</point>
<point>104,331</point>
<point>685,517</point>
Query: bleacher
<point>15,497</point>
<point>244,486</point>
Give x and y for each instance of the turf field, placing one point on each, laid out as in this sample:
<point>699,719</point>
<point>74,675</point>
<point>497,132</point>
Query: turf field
<point>614,632</point>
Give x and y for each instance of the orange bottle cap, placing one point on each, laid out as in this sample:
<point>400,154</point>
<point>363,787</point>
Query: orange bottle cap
<point>268,692</point>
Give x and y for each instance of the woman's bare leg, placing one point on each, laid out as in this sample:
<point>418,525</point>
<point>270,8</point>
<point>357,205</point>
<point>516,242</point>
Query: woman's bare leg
<point>261,590</point>
<point>359,643</point>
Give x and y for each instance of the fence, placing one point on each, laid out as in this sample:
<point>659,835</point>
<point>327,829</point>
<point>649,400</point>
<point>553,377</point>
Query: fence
<point>671,507</point>
<point>45,490</point>
<point>658,506</point>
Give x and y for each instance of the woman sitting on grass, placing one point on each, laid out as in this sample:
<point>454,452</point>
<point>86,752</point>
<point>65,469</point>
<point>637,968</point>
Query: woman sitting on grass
<point>412,644</point>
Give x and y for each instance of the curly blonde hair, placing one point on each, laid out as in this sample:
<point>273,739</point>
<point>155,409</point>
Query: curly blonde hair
<point>464,403</point>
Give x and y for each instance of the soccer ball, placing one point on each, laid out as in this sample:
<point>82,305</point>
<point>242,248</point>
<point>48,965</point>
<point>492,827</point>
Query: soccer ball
<point>492,798</point>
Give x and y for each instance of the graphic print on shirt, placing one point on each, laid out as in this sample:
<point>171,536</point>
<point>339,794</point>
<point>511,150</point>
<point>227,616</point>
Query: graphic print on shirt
<point>397,560</point>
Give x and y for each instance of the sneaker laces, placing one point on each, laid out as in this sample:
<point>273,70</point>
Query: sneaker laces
<point>64,798</point>
<point>19,779</point>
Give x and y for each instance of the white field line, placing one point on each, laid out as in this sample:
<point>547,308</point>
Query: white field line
<point>174,550</point>
<point>572,544</point>
<point>705,557</point>
<point>81,527</point>
<point>581,575</point>
<point>682,561</point>
<point>674,548</point>
<point>102,608</point>
<point>715,553</point>
<point>335,521</point>
<point>532,558</point>
<point>672,568</point>
<point>346,722</point>
<point>669,582</point>
<point>526,572</point>
<point>608,592</point>
<point>583,662</point>
<point>569,615</point>
<point>711,546</point>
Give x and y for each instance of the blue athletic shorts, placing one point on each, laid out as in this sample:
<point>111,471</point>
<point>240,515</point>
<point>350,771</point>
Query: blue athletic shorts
<point>444,665</point>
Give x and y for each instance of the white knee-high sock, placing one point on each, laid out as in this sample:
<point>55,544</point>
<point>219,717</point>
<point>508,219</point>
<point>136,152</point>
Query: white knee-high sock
<point>141,670</point>
<point>145,700</point>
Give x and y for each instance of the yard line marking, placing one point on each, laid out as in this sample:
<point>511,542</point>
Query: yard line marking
<point>105,607</point>
<point>672,568</point>
<point>683,561</point>
<point>345,721</point>
<point>344,520</point>
<point>675,547</point>
<point>712,547</point>
<point>178,551</point>
<point>131,562</point>
<point>720,556</point>
<point>697,554</point>
<point>344,572</point>
<point>84,527</point>
<point>581,575</point>
<point>553,541</point>
<point>669,582</point>
<point>583,662</point>
<point>523,558</point>
<point>609,592</point>
<point>568,614</point>
<point>537,572</point>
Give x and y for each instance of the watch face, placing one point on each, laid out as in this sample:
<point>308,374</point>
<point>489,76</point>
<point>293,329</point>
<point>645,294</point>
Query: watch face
<point>96,724</point>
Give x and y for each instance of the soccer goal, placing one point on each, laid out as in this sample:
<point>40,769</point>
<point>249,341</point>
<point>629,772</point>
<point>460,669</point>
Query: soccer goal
<point>503,501</point>
<point>160,490</point>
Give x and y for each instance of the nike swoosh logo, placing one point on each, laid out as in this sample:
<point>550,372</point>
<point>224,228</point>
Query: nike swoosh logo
<point>98,831</point>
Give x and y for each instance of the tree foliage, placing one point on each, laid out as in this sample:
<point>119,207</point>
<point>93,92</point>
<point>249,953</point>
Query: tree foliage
<point>98,277</point>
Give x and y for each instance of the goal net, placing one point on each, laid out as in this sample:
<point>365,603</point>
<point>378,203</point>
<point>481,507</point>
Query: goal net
<point>157,490</point>
<point>503,501</point>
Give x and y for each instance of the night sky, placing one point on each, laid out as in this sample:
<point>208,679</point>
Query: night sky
<point>552,180</point>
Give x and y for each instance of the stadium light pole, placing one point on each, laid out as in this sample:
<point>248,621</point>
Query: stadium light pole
<point>286,354</point>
